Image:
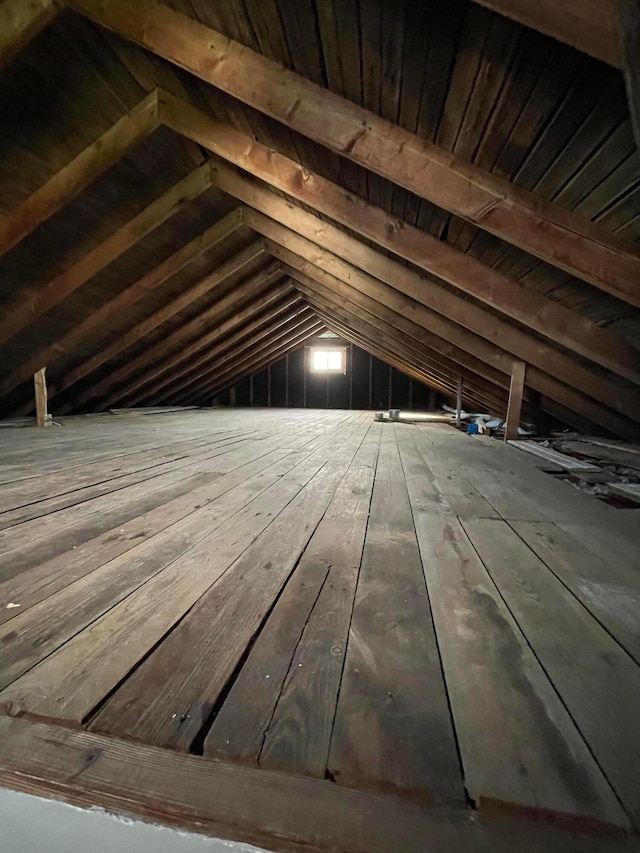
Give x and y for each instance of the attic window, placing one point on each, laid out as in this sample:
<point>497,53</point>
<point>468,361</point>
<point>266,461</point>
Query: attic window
<point>328,360</point>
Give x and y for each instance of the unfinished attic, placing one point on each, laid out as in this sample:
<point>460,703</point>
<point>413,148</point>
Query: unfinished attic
<point>320,425</point>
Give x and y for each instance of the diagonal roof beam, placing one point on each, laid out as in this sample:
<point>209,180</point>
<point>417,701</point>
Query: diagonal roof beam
<point>98,319</point>
<point>388,326</point>
<point>283,318</point>
<point>360,303</point>
<point>179,369</point>
<point>534,310</point>
<point>542,228</point>
<point>265,355</point>
<point>181,339</point>
<point>20,22</point>
<point>407,359</point>
<point>342,255</point>
<point>587,25</point>
<point>94,161</point>
<point>30,307</point>
<point>140,330</point>
<point>380,349</point>
<point>343,278</point>
<point>629,35</point>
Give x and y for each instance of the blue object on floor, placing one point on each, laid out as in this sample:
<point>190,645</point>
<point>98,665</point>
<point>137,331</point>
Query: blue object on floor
<point>472,429</point>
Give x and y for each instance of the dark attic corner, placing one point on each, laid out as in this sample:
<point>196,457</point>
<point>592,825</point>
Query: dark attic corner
<point>320,426</point>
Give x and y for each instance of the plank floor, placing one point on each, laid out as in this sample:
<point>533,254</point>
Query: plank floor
<point>396,608</point>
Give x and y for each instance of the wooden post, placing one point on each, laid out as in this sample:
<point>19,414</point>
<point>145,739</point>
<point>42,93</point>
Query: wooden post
<point>305,365</point>
<point>286,380</point>
<point>516,392</point>
<point>459,402</point>
<point>40,383</point>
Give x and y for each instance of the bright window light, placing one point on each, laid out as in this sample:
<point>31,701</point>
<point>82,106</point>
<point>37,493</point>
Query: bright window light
<point>325,360</point>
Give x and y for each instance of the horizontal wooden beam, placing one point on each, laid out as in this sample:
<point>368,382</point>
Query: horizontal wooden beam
<point>587,25</point>
<point>98,320</point>
<point>245,804</point>
<point>140,330</point>
<point>311,260</point>
<point>539,227</point>
<point>533,310</point>
<point>181,340</point>
<point>20,22</point>
<point>107,150</point>
<point>314,236</point>
<point>280,300</point>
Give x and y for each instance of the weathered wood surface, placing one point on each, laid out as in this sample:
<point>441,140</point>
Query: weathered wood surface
<point>271,809</point>
<point>517,216</point>
<point>314,593</point>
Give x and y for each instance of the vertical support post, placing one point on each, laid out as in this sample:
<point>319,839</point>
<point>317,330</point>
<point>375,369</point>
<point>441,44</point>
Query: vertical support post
<point>459,402</point>
<point>305,364</point>
<point>516,393</point>
<point>40,385</point>
<point>286,380</point>
<point>370,381</point>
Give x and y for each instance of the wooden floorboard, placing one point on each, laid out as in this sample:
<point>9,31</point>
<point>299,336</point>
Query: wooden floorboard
<point>348,621</point>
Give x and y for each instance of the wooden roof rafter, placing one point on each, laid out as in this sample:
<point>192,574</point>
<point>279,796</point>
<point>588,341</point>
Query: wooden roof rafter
<point>269,353</point>
<point>21,21</point>
<point>467,322</point>
<point>182,342</point>
<point>178,370</point>
<point>541,228</point>
<point>139,331</point>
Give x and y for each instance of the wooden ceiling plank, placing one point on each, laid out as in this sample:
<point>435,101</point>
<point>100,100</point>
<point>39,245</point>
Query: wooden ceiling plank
<point>341,277</point>
<point>248,350</point>
<point>315,237</point>
<point>147,364</point>
<point>414,363</point>
<point>20,22</point>
<point>94,161</point>
<point>215,341</point>
<point>139,331</point>
<point>266,355</point>
<point>513,214</point>
<point>229,350</point>
<point>532,309</point>
<point>98,319</point>
<point>33,305</point>
<point>410,346</point>
<point>454,357</point>
<point>629,40</point>
<point>381,351</point>
<point>587,25</point>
